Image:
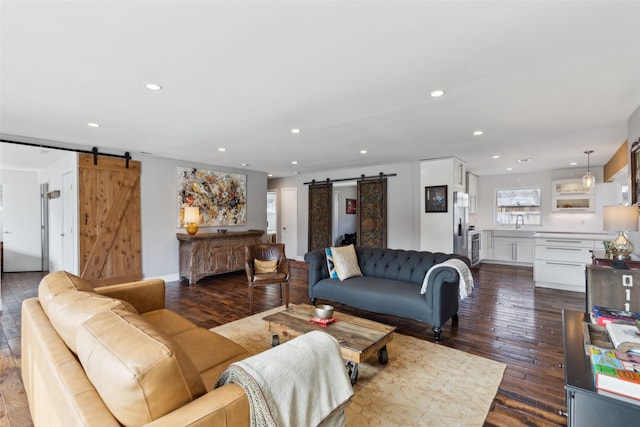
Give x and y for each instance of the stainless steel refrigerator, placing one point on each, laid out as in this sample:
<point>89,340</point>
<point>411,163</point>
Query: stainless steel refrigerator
<point>460,223</point>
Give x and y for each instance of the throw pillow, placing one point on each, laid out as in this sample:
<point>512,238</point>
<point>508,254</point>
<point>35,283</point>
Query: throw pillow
<point>330,265</point>
<point>265,266</point>
<point>346,261</point>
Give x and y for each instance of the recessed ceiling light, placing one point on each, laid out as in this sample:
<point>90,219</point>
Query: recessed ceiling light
<point>495,157</point>
<point>509,169</point>
<point>437,93</point>
<point>363,151</point>
<point>93,125</point>
<point>294,162</point>
<point>269,175</point>
<point>153,86</point>
<point>527,160</point>
<point>222,149</point>
<point>573,164</point>
<point>478,132</point>
<point>295,130</point>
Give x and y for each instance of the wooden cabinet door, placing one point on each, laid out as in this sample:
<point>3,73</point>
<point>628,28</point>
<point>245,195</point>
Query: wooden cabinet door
<point>109,220</point>
<point>220,259</point>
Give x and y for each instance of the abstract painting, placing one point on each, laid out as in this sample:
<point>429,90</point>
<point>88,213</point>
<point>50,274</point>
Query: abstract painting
<point>221,196</point>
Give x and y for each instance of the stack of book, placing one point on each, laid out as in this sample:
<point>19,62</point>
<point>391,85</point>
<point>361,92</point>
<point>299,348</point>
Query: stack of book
<point>616,373</point>
<point>604,315</point>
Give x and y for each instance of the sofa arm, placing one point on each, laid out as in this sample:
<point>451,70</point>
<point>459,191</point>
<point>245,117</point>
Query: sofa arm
<point>318,270</point>
<point>144,295</point>
<point>224,406</point>
<point>442,294</point>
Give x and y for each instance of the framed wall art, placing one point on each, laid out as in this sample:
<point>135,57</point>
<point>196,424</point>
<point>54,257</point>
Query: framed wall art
<point>435,198</point>
<point>351,206</point>
<point>221,196</point>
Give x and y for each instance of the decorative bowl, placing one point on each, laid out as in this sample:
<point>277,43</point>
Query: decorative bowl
<point>222,230</point>
<point>324,311</point>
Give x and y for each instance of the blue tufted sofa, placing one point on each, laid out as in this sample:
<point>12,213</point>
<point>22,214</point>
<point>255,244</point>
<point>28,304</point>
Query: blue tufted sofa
<point>391,283</point>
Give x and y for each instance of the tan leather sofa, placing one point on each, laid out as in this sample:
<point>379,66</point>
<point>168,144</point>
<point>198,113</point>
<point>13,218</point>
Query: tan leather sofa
<point>115,356</point>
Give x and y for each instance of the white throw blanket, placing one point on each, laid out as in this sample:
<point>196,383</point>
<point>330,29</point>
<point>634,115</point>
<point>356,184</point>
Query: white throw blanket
<point>302,382</point>
<point>466,279</point>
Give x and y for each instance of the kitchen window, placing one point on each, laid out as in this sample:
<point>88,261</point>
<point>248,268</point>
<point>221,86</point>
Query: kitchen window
<point>518,204</point>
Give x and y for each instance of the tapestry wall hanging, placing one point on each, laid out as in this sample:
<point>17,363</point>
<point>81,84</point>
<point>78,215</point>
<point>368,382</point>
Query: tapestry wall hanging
<point>221,196</point>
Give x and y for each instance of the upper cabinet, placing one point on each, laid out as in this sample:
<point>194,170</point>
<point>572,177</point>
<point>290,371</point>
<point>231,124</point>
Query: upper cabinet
<point>472,190</point>
<point>568,195</point>
<point>458,174</point>
<point>564,187</point>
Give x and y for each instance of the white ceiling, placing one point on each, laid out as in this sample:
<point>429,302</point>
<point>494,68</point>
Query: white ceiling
<point>542,79</point>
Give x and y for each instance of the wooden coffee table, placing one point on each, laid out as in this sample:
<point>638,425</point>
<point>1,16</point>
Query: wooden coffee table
<point>359,338</point>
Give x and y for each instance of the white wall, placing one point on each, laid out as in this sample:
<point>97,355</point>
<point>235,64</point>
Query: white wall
<point>402,203</point>
<point>159,211</point>
<point>14,177</point>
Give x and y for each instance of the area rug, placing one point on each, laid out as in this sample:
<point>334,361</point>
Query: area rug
<point>424,384</point>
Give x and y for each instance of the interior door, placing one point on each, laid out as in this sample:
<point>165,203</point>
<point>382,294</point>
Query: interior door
<point>320,213</point>
<point>371,213</point>
<point>289,222</point>
<point>68,235</point>
<point>109,220</point>
<point>22,227</point>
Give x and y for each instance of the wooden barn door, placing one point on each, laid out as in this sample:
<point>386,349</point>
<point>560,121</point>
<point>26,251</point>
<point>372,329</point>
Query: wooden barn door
<point>109,220</point>
<point>371,220</point>
<point>320,205</point>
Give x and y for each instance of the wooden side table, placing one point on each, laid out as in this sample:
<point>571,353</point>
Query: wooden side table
<point>612,287</point>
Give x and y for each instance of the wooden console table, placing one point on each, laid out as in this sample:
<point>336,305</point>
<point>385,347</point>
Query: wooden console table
<point>206,254</point>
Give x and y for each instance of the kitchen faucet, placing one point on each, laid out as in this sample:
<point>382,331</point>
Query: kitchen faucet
<point>517,218</point>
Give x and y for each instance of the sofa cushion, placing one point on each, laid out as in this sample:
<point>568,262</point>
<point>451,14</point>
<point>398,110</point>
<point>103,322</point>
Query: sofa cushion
<point>345,261</point>
<point>67,311</point>
<point>57,282</point>
<point>140,373</point>
<point>330,265</point>
<point>211,353</point>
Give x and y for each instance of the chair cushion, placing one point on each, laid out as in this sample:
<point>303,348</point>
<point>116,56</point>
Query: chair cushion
<point>140,373</point>
<point>69,309</point>
<point>269,278</point>
<point>265,266</point>
<point>346,261</point>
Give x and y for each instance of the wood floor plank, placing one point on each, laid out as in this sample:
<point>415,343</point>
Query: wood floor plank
<point>506,318</point>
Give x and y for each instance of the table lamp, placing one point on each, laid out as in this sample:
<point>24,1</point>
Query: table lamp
<point>192,219</point>
<point>621,219</point>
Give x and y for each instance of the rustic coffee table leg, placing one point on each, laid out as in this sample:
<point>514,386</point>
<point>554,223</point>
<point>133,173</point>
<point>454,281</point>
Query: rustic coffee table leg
<point>352,368</point>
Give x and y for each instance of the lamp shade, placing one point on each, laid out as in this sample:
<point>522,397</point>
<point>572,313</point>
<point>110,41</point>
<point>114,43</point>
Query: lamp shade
<point>621,218</point>
<point>191,214</point>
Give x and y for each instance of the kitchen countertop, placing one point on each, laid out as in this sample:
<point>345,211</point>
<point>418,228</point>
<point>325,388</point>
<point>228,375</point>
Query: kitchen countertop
<point>575,235</point>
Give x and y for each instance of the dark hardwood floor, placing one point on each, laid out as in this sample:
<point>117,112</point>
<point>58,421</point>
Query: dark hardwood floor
<point>505,319</point>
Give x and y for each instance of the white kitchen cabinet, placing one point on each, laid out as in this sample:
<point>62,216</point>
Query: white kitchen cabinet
<point>458,174</point>
<point>567,195</point>
<point>486,246</point>
<point>472,190</point>
<point>513,249</point>
<point>560,262</point>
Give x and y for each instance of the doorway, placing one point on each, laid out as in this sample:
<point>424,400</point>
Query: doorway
<point>344,216</point>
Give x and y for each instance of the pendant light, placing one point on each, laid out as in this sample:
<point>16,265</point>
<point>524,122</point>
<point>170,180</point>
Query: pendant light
<point>589,180</point>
